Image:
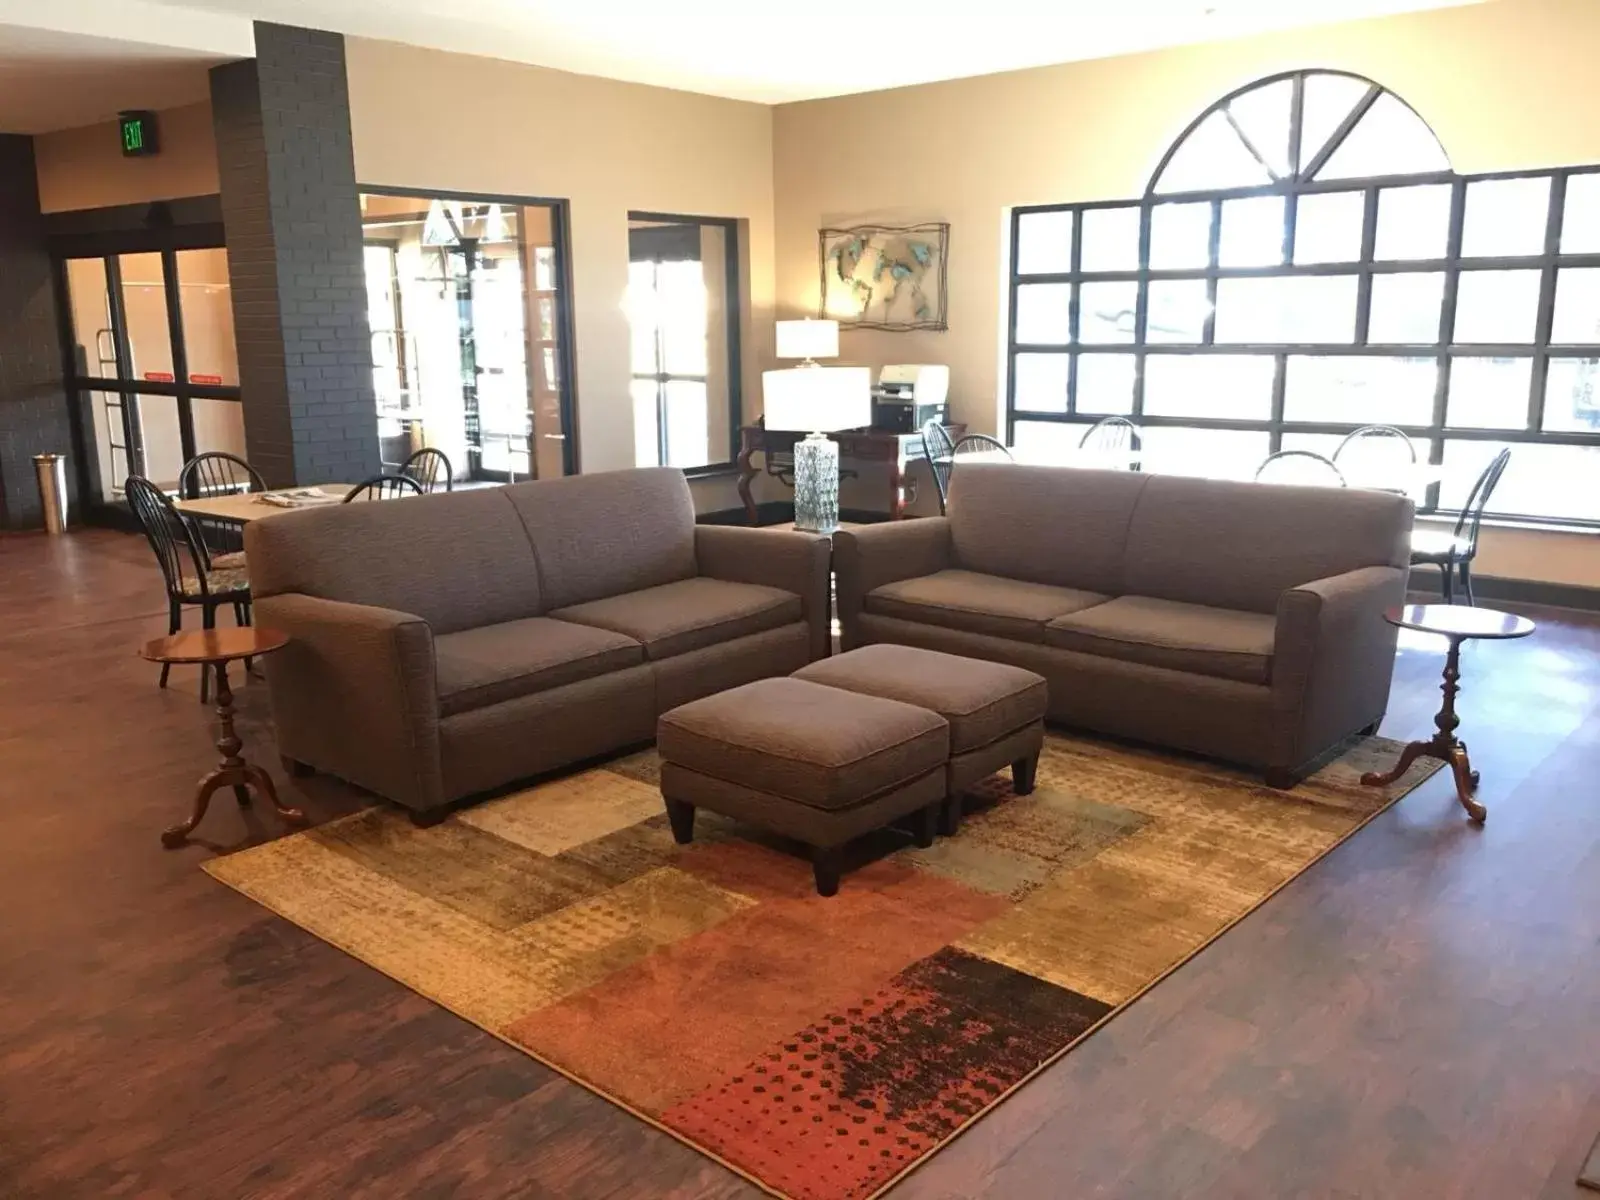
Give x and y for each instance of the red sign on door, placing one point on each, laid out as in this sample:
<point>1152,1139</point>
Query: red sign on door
<point>207,379</point>
<point>158,377</point>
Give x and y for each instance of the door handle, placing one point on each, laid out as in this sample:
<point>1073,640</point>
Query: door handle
<point>555,437</point>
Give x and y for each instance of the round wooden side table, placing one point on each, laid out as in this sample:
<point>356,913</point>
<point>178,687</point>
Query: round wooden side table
<point>214,649</point>
<point>1458,624</point>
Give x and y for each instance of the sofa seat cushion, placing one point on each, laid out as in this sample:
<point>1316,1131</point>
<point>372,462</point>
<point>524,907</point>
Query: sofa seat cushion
<point>675,618</point>
<point>475,668</point>
<point>804,742</point>
<point>977,603</point>
<point>1219,642</point>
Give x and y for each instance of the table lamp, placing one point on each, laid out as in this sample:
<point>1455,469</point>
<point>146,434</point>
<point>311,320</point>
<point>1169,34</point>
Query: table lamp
<point>817,401</point>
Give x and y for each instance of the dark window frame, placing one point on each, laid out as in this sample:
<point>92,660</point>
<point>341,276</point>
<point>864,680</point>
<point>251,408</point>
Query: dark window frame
<point>1365,268</point>
<point>734,266</point>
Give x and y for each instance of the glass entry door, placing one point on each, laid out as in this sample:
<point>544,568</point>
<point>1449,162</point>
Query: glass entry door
<point>154,363</point>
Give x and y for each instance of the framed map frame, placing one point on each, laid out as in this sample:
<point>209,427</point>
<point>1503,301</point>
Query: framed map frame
<point>891,277</point>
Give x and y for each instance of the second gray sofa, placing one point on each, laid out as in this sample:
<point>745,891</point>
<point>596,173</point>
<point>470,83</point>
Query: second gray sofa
<point>1237,620</point>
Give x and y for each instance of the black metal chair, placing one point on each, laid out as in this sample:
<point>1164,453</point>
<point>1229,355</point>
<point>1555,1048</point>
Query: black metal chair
<point>431,469</point>
<point>384,487</point>
<point>938,450</point>
<point>1453,552</point>
<point>218,473</point>
<point>981,443</point>
<point>1114,435</point>
<point>193,580</point>
<point>1304,467</point>
<point>1366,453</point>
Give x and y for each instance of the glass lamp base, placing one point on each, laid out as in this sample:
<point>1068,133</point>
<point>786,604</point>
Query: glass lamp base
<point>816,484</point>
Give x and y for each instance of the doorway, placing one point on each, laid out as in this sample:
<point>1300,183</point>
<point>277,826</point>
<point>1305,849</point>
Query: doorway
<point>468,302</point>
<point>152,362</point>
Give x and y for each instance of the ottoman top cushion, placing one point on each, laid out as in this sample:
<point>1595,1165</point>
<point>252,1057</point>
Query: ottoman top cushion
<point>808,743</point>
<point>983,701</point>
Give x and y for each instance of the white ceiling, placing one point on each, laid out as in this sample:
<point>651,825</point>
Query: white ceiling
<point>769,51</point>
<point>58,67</point>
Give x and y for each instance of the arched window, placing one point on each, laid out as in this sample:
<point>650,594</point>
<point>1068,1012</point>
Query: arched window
<point>1305,262</point>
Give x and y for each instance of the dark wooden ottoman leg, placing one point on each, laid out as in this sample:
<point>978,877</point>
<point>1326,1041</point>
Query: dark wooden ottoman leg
<point>928,822</point>
<point>825,867</point>
<point>950,822</point>
<point>1022,773</point>
<point>682,817</point>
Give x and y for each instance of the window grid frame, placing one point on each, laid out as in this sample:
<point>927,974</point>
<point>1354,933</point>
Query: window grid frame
<point>1365,269</point>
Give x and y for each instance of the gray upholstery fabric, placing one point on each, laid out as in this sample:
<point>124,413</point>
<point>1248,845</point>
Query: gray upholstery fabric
<point>1164,633</point>
<point>805,742</point>
<point>487,748</point>
<point>455,559</point>
<point>981,603</point>
<point>687,615</point>
<point>1242,545</point>
<point>1222,718</point>
<point>982,701</point>
<point>478,667</point>
<point>1332,659</point>
<point>730,664</point>
<point>792,818</point>
<point>979,763</point>
<point>867,557</point>
<point>353,694</point>
<point>1064,527</point>
<point>600,535</point>
<point>781,558</point>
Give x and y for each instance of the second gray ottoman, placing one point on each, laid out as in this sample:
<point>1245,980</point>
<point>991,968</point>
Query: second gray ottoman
<point>816,764</point>
<point>996,712</point>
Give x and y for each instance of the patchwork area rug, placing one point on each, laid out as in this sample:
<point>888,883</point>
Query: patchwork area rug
<point>820,1047</point>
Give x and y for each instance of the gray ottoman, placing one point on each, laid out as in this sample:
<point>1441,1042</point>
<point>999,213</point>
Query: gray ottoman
<point>996,712</point>
<point>814,763</point>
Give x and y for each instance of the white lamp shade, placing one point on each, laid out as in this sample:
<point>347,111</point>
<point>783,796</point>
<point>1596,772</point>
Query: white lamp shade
<point>808,339</point>
<point>817,399</point>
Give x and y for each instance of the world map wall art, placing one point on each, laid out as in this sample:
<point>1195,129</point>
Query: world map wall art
<point>883,277</point>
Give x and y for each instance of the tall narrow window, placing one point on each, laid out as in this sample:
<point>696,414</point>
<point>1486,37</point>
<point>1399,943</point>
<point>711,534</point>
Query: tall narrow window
<point>1304,262</point>
<point>466,309</point>
<point>683,310</point>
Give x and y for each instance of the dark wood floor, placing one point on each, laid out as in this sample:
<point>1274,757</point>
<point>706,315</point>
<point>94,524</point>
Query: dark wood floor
<point>1417,1016</point>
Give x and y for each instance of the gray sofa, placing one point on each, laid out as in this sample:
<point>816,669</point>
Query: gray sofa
<point>1241,621</point>
<point>450,644</point>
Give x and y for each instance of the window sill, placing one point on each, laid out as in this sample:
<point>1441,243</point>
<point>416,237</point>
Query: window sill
<point>1449,520</point>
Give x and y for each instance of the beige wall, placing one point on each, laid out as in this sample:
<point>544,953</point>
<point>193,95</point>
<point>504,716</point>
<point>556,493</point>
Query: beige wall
<point>1505,85</point>
<point>85,168</point>
<point>429,119</point>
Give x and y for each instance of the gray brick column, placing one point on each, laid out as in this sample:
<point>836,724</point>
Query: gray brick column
<point>293,221</point>
<point>33,401</point>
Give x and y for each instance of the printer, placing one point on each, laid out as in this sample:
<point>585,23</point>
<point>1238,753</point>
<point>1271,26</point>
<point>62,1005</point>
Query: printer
<point>907,397</point>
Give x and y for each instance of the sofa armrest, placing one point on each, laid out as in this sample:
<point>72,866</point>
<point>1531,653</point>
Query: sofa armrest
<point>1333,657</point>
<point>870,556</point>
<point>354,694</point>
<point>781,558</point>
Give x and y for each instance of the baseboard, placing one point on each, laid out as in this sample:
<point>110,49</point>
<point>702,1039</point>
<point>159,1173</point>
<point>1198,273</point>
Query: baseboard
<point>1425,581</point>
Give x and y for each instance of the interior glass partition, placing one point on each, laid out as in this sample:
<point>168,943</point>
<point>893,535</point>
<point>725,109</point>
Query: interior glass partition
<point>467,304</point>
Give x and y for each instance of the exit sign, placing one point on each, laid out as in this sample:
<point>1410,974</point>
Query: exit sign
<point>139,136</point>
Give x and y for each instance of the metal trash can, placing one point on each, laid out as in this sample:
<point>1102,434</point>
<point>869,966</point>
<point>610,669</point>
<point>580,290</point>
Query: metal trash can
<point>51,470</point>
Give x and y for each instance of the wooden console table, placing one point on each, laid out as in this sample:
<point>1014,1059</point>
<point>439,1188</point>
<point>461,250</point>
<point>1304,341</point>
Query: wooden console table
<point>898,450</point>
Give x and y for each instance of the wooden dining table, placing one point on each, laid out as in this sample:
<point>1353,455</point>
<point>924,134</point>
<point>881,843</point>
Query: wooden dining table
<point>240,508</point>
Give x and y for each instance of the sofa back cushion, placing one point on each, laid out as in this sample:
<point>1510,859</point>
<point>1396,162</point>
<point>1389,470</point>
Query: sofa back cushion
<point>1241,545</point>
<point>1056,525</point>
<point>456,559</point>
<point>601,535</point>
